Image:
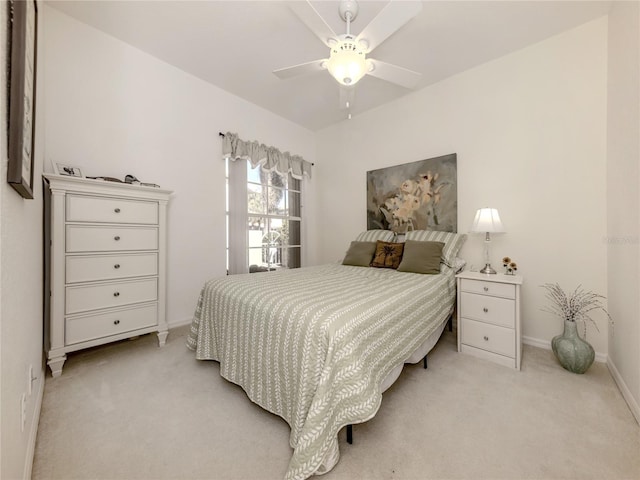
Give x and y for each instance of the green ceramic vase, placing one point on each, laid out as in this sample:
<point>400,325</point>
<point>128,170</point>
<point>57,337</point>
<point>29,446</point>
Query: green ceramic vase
<point>573,353</point>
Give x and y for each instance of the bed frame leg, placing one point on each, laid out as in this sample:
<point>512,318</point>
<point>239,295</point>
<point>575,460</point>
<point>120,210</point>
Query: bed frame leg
<point>424,361</point>
<point>450,323</point>
<point>350,434</point>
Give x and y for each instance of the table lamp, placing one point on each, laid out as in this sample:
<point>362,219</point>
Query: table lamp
<point>487,221</point>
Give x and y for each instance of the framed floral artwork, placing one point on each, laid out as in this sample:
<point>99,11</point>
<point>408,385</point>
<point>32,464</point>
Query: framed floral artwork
<point>420,195</point>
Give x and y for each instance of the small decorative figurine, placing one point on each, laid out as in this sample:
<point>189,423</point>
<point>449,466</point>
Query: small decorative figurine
<point>509,265</point>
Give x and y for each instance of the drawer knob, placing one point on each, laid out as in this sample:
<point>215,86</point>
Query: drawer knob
<point>116,294</point>
<point>116,322</point>
<point>485,310</point>
<point>486,338</point>
<point>116,266</point>
<point>486,289</point>
<point>116,238</point>
<point>117,210</point>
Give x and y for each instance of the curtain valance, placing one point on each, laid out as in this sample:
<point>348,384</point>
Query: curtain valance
<point>270,158</point>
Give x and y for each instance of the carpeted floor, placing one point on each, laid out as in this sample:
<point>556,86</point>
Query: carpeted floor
<point>131,410</point>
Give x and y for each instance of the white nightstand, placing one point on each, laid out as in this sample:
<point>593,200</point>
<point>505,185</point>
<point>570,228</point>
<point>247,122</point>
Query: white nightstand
<point>489,317</point>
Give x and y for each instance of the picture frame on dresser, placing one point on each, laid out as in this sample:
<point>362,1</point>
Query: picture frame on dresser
<point>22,96</point>
<point>67,170</point>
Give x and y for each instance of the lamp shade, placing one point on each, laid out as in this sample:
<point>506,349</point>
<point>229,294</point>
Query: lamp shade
<point>347,63</point>
<point>487,220</point>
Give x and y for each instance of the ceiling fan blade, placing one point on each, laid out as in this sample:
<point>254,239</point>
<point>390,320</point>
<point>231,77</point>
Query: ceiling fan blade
<point>302,69</point>
<point>312,19</point>
<point>393,16</point>
<point>394,74</point>
<point>347,97</point>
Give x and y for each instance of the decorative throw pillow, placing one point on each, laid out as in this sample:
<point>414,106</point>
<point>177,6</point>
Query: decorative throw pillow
<point>452,242</point>
<point>387,255</point>
<point>421,257</point>
<point>359,254</point>
<point>375,235</point>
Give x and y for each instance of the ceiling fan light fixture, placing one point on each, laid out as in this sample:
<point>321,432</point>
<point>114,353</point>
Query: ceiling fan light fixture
<point>370,66</point>
<point>347,63</point>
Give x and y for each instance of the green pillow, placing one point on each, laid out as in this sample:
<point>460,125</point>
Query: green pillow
<point>359,254</point>
<point>452,242</point>
<point>421,257</point>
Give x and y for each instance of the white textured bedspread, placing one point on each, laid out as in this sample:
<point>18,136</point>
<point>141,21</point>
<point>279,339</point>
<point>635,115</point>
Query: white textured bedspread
<point>313,344</point>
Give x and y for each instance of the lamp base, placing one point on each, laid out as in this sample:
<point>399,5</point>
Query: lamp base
<point>487,269</point>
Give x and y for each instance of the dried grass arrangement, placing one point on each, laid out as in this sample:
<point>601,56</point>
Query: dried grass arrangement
<point>576,306</point>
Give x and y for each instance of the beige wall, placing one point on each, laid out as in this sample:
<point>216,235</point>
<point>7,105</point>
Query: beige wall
<point>20,300</point>
<point>623,196</point>
<point>530,133</point>
<point>114,110</point>
<point>529,130</point>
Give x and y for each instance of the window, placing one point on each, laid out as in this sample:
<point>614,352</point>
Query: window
<point>269,237</point>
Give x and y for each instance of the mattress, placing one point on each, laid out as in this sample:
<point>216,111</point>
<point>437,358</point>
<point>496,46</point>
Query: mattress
<point>313,345</point>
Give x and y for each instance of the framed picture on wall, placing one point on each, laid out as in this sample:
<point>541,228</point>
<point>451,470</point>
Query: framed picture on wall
<point>22,95</point>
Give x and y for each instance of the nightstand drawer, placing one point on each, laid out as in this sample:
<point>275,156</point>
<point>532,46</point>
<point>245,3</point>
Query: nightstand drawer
<point>110,210</point>
<point>86,268</point>
<point>489,337</point>
<point>83,298</point>
<point>489,288</point>
<point>104,239</point>
<point>499,311</point>
<point>81,329</point>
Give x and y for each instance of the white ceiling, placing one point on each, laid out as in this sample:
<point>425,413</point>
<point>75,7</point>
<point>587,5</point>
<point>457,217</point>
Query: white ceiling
<point>236,45</point>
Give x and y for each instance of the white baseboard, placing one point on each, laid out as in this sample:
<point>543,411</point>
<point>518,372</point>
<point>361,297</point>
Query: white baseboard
<point>626,393</point>
<point>179,323</point>
<point>536,342</point>
<point>546,344</point>
<point>33,432</point>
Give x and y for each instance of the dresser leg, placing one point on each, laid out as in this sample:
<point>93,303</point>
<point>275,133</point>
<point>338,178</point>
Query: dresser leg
<point>55,364</point>
<point>162,338</point>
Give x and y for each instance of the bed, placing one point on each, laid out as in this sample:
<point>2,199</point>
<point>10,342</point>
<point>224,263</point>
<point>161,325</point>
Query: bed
<point>318,345</point>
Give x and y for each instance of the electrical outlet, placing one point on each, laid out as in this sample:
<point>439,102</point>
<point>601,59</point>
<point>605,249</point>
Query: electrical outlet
<point>30,380</point>
<point>23,410</point>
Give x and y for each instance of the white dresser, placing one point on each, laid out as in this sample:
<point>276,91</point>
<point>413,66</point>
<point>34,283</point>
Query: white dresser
<point>105,268</point>
<point>489,317</point>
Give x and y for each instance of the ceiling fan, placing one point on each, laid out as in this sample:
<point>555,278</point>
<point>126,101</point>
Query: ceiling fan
<point>348,61</point>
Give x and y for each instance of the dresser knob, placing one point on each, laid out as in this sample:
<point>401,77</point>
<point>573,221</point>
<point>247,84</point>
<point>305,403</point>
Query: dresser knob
<point>486,338</point>
<point>485,310</point>
<point>486,289</point>
<point>116,322</point>
<point>116,238</point>
<point>116,294</point>
<point>116,266</point>
<point>117,210</point>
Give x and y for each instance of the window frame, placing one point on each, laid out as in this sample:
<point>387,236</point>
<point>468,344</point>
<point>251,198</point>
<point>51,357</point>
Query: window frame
<point>270,250</point>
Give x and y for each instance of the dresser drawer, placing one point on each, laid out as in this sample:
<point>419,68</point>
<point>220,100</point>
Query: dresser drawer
<point>104,239</point>
<point>110,210</point>
<point>86,268</point>
<point>499,311</point>
<point>83,298</point>
<point>492,338</point>
<point>84,328</point>
<point>489,288</point>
